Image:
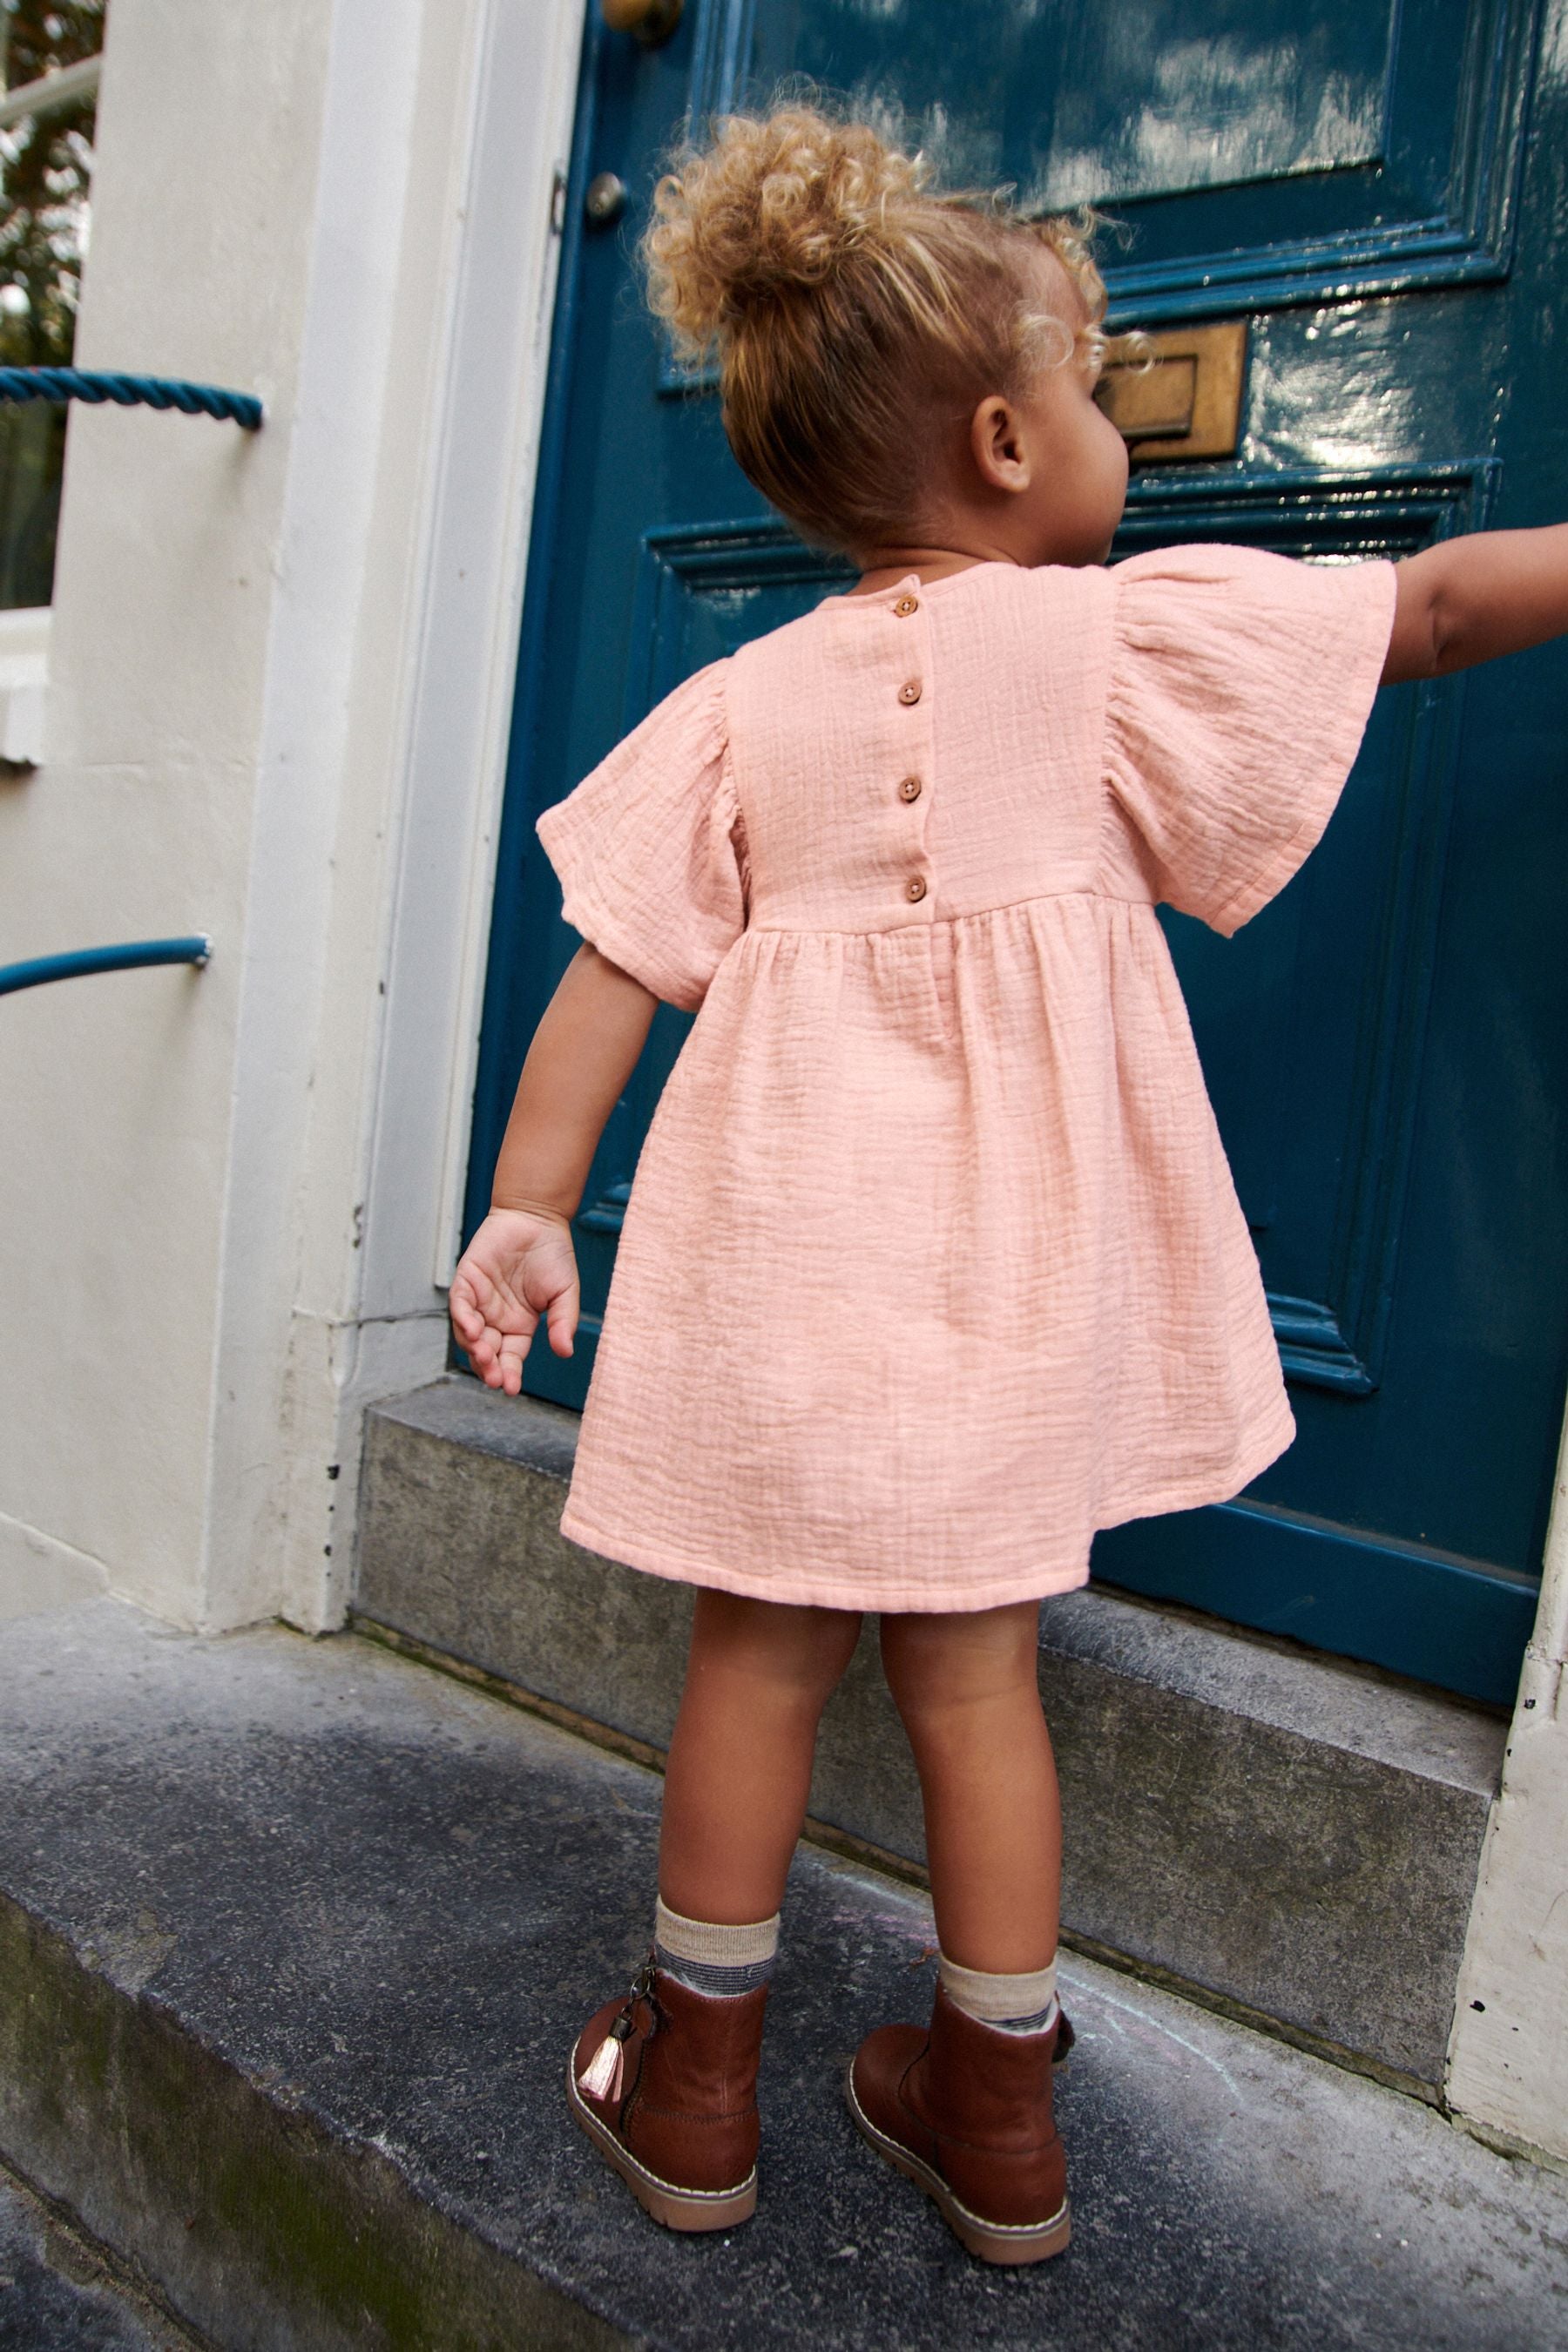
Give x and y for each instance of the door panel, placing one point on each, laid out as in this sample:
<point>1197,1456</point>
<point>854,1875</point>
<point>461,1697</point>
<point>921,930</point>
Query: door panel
<point>1378,145</point>
<point>1385,1042</point>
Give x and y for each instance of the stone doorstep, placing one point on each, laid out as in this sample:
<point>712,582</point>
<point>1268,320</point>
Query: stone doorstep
<point>61,2292</point>
<point>1286,1836</point>
<point>295,1936</point>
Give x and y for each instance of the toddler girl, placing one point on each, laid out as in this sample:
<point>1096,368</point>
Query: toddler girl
<point>933,1263</point>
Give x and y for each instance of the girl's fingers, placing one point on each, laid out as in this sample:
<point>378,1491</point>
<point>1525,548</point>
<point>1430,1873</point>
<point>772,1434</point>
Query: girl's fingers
<point>459,1306</point>
<point>511,1346</point>
<point>475,1314</point>
<point>463,1311</point>
<point>564,1320</point>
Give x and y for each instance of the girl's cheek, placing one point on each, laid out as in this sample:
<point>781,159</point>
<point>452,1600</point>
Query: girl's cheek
<point>1117,459</point>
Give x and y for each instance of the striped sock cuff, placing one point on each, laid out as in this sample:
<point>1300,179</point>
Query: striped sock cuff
<point>1025,2003</point>
<point>707,1958</point>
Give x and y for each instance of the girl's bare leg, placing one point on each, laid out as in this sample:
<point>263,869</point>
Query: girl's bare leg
<point>757,1678</point>
<point>964,1686</point>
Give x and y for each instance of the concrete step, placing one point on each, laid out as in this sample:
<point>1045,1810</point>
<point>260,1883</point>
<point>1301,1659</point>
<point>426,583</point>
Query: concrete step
<point>58,2295</point>
<point>293,1938</point>
<point>1244,1819</point>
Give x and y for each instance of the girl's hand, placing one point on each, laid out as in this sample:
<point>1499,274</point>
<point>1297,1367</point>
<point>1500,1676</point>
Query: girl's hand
<point>519,1265</point>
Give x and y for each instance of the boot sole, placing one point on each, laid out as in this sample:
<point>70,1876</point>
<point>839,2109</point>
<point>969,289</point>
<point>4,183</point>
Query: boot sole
<point>675,2208</point>
<point>989,2242</point>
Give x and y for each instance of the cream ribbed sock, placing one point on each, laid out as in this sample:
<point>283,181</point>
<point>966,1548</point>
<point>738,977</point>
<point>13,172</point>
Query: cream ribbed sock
<point>1013,2004</point>
<point>723,1962</point>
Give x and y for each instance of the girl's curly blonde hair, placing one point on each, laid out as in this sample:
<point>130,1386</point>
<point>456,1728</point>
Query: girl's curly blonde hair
<point>857,314</point>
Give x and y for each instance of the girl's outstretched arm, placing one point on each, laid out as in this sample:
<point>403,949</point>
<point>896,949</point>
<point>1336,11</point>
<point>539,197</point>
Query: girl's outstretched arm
<point>1467,600</point>
<point>520,1263</point>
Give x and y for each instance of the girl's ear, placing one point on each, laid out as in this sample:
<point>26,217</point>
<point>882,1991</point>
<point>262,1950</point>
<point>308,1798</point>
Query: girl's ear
<point>997,445</point>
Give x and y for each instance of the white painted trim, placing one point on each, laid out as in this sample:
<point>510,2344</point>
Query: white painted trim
<point>484,443</point>
<point>24,678</point>
<point>467,661</point>
<point>24,642</point>
<point>1507,2054</point>
<point>413,438</point>
<point>324,576</point>
<point>51,93</point>
<point>555,76</point>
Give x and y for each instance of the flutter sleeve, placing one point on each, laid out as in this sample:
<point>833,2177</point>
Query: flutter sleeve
<point>1240,683</point>
<point>650,849</point>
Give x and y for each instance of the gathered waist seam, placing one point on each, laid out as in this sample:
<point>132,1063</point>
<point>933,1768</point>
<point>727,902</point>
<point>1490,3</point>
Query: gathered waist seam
<point>938,922</point>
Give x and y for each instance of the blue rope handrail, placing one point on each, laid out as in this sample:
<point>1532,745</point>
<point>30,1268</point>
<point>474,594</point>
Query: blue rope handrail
<point>131,392</point>
<point>128,957</point>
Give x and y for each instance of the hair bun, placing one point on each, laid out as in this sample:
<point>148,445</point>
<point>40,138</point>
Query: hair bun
<point>772,202</point>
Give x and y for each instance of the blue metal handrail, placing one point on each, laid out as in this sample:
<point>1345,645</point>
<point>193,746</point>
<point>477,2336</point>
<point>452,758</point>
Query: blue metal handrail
<point>128,957</point>
<point>131,392</point>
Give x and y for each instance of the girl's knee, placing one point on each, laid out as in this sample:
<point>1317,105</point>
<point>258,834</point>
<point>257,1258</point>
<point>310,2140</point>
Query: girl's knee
<point>936,1661</point>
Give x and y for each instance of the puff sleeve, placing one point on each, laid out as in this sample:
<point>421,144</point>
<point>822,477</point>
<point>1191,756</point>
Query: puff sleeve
<point>648,847</point>
<point>1240,683</point>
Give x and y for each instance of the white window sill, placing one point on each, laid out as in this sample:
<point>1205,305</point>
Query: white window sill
<point>24,675</point>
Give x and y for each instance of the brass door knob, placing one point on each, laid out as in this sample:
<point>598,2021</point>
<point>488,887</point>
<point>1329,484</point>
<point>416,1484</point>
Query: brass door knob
<point>651,20</point>
<point>605,198</point>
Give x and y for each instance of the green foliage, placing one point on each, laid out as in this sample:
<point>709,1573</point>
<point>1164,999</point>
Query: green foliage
<point>46,167</point>
<point>46,170</point>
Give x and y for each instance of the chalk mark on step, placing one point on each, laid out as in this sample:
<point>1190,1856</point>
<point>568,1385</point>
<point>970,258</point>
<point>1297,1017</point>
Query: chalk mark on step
<point>1131,2008</point>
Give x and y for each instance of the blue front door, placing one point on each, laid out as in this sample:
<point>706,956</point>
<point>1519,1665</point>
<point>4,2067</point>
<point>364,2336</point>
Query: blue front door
<point>1376,191</point>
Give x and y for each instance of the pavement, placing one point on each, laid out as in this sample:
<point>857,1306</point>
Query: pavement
<point>279,1902</point>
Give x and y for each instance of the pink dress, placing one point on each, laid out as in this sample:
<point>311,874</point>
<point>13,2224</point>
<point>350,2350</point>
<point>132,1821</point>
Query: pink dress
<point>932,1263</point>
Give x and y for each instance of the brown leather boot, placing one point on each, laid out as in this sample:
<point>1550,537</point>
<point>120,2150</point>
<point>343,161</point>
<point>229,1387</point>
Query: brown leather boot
<point>964,2111</point>
<point>664,2083</point>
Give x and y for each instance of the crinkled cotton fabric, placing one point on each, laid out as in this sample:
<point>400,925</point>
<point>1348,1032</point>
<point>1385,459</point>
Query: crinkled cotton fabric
<point>932,1263</point>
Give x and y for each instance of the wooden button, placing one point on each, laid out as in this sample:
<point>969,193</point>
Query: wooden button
<point>906,606</point>
<point>910,790</point>
<point>909,691</point>
<point>914,887</point>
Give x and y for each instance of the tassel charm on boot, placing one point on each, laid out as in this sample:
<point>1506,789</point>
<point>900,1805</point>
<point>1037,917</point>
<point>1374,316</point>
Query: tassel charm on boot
<point>964,2111</point>
<point>677,2115</point>
<point>605,2073</point>
<point>606,2068</point>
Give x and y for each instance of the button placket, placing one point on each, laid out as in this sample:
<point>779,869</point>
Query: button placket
<point>910,788</point>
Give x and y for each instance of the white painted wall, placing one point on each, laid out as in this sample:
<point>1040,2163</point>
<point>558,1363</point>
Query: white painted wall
<point>265,719</point>
<point>1507,2059</point>
<point>138,821</point>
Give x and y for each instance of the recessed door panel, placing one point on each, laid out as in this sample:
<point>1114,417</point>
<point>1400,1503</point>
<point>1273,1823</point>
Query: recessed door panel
<point>1377,145</point>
